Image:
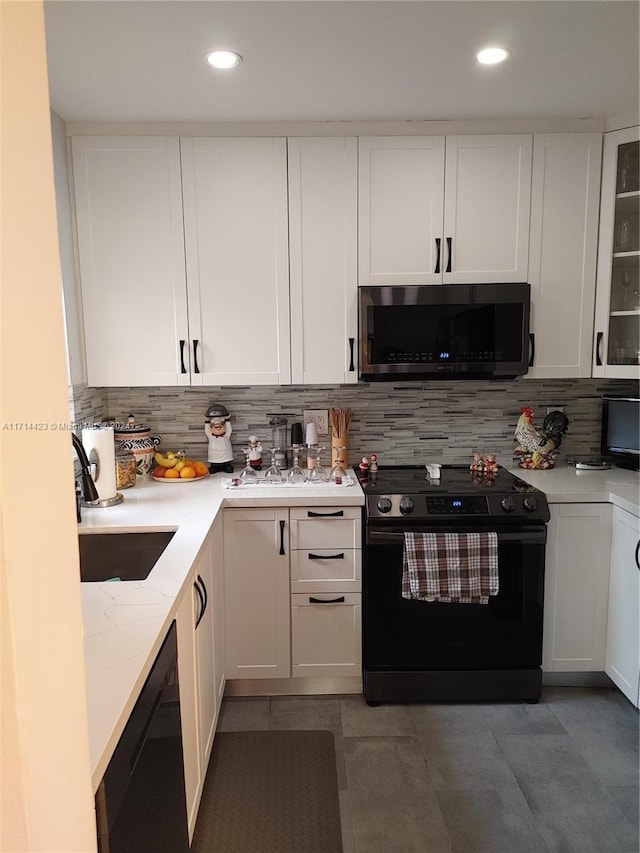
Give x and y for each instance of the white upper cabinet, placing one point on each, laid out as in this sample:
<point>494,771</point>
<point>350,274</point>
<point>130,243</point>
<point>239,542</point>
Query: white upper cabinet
<point>486,211</point>
<point>323,210</point>
<point>616,349</point>
<point>562,255</point>
<point>435,210</point>
<point>128,201</point>
<point>235,220</point>
<point>401,198</point>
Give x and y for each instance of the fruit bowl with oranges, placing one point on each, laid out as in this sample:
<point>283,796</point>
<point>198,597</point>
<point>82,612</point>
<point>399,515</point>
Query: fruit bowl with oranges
<point>176,467</point>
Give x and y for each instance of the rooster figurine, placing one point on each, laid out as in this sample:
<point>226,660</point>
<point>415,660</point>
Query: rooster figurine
<point>538,448</point>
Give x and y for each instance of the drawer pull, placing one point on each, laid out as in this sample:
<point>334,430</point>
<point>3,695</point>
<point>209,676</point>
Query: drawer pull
<point>313,600</point>
<point>281,551</point>
<point>325,556</point>
<point>338,514</point>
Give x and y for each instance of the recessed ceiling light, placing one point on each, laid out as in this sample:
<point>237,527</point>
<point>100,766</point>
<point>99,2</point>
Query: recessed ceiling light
<point>492,55</point>
<point>223,59</point>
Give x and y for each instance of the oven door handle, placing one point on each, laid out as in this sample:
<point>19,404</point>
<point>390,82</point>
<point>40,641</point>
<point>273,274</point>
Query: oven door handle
<point>383,537</point>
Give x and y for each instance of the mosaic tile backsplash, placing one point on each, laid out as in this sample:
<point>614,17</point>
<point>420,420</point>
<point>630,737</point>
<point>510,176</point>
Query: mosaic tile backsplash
<point>404,423</point>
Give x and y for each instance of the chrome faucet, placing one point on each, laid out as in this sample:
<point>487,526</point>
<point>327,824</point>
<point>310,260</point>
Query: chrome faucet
<point>89,490</point>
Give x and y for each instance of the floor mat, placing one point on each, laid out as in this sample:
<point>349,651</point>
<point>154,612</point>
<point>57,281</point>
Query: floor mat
<point>270,792</point>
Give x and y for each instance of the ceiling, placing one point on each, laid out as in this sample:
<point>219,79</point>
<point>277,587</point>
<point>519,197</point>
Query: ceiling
<point>329,60</point>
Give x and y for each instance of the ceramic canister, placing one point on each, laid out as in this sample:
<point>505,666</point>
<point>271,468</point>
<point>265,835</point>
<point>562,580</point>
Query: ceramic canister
<point>138,439</point>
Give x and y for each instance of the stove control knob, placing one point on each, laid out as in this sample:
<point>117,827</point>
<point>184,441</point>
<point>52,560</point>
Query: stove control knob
<point>508,504</point>
<point>384,505</point>
<point>406,506</point>
<point>530,504</point>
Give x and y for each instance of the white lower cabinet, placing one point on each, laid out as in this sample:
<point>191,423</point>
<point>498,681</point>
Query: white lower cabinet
<point>576,588</point>
<point>326,635</point>
<point>188,677</point>
<point>623,652</point>
<point>292,592</point>
<point>256,561</point>
<point>325,586</point>
<point>200,669</point>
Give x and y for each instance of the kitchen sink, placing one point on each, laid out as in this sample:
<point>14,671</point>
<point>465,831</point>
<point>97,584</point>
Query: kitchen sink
<point>126,556</point>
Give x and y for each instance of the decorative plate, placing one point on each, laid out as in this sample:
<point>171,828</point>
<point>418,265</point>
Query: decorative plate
<point>178,479</point>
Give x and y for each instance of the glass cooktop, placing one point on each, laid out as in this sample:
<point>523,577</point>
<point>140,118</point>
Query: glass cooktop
<point>454,479</point>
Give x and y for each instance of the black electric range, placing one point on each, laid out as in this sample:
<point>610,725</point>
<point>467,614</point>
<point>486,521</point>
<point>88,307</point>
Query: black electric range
<point>421,651</point>
<point>408,495</point>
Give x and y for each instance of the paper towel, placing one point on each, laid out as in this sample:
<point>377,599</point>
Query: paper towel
<point>100,446</point>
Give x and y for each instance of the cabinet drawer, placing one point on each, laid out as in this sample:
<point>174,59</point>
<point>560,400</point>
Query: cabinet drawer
<point>329,569</point>
<point>325,527</point>
<point>326,636</point>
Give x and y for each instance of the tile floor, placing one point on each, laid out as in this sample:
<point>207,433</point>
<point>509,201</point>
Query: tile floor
<point>557,777</point>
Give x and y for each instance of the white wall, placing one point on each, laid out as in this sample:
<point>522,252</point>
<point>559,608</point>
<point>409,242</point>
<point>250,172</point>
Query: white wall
<point>45,781</point>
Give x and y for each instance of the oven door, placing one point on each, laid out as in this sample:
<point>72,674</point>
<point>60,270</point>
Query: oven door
<point>506,633</point>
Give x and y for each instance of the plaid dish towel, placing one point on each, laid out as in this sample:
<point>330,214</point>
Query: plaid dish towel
<point>457,568</point>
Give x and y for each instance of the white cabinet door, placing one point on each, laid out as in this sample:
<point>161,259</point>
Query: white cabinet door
<point>235,218</point>
<point>197,673</point>
<point>623,652</point>
<point>257,610</point>
<point>128,201</point>
<point>563,248</point>
<point>323,211</point>
<point>401,200</point>
<point>616,346</point>
<point>576,588</point>
<point>486,214</point>
<point>217,563</point>
<point>204,628</point>
<point>325,635</point>
<point>194,769</point>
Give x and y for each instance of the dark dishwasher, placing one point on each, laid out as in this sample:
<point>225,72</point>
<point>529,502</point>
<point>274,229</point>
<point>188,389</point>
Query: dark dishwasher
<point>140,803</point>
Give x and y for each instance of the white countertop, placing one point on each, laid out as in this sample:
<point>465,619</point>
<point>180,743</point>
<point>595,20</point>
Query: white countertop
<point>125,622</point>
<point>566,484</point>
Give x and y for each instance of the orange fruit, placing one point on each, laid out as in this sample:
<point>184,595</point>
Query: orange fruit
<point>171,474</point>
<point>158,472</point>
<point>189,463</point>
<point>187,473</point>
<point>201,468</point>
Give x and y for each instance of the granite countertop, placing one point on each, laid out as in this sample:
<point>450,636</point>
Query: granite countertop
<point>566,484</point>
<point>125,622</point>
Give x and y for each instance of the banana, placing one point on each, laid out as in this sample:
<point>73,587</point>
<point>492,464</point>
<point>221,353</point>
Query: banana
<point>166,461</point>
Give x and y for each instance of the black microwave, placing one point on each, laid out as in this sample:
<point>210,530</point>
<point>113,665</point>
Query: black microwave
<point>454,331</point>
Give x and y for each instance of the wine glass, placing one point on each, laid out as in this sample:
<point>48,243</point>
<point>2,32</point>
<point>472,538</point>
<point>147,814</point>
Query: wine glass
<point>273,473</point>
<point>318,474</point>
<point>337,472</point>
<point>248,474</point>
<point>296,474</point>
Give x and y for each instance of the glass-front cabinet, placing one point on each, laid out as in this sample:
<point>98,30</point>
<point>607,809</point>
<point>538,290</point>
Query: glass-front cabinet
<point>617,318</point>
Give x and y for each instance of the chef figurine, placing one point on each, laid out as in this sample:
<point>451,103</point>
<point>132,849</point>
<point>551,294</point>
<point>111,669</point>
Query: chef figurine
<point>373,468</point>
<point>217,428</point>
<point>255,453</point>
